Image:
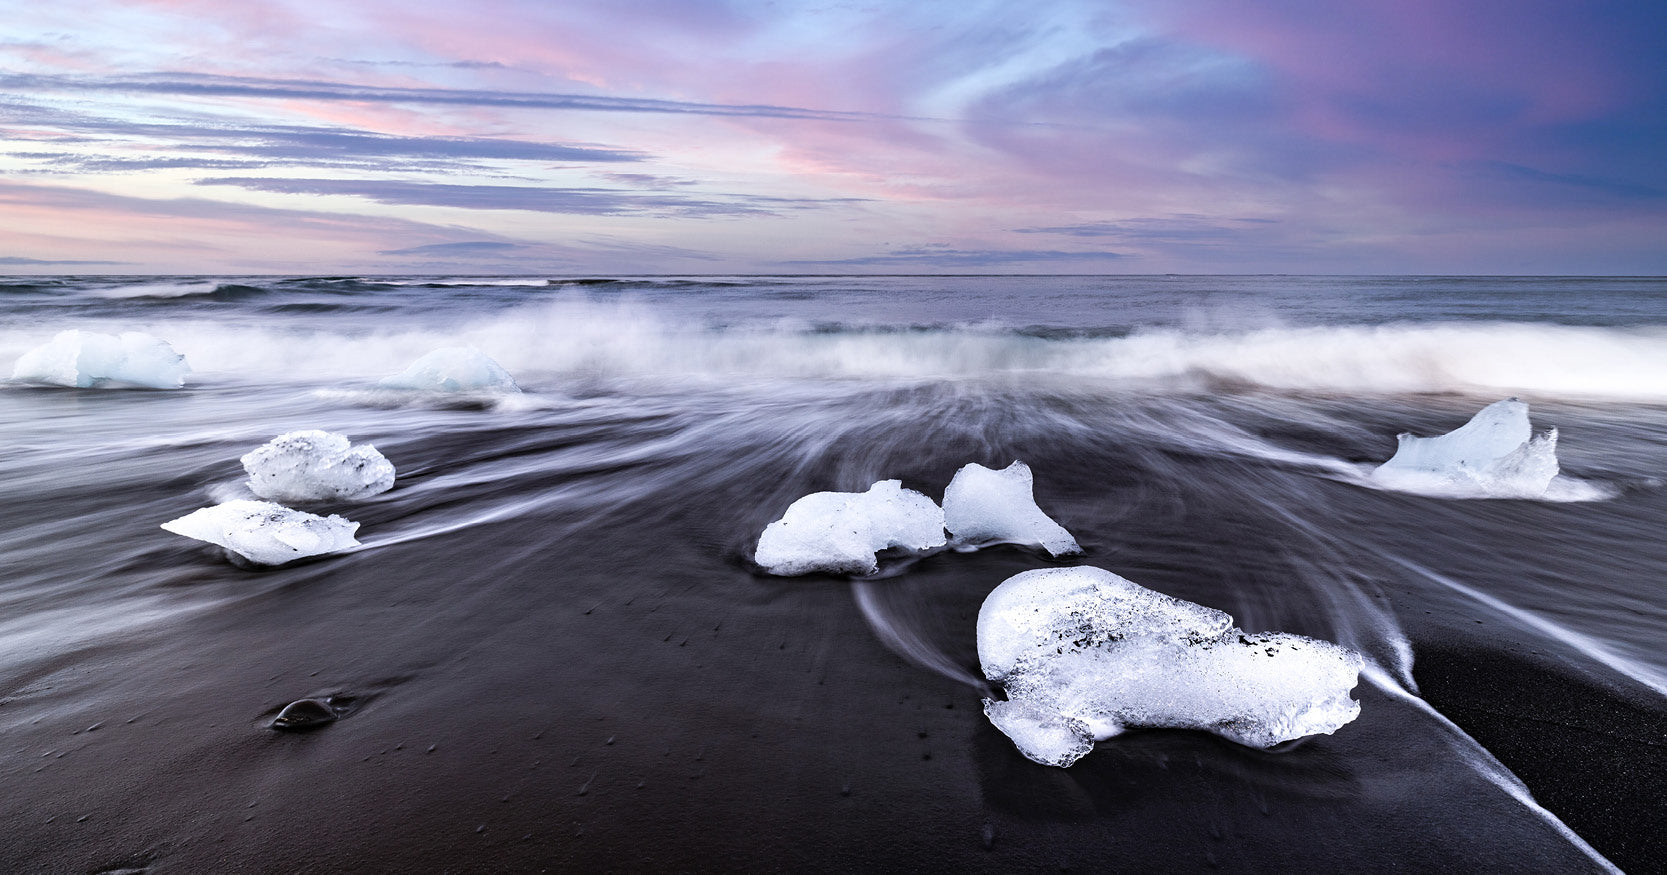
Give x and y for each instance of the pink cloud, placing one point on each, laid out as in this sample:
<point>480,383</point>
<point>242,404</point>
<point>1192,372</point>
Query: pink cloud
<point>67,222</point>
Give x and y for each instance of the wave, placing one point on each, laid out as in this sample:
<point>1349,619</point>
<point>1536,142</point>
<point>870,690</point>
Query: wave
<point>565,338</point>
<point>540,282</point>
<point>527,282</point>
<point>348,283</point>
<point>26,285</point>
<point>167,289</point>
<point>704,282</point>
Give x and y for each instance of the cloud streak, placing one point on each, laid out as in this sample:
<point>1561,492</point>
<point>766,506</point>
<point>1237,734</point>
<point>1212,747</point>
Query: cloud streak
<point>290,144</point>
<point>358,241</point>
<point>203,85</point>
<point>1172,229</point>
<point>33,262</point>
<point>462,248</point>
<point>576,201</point>
<point>961,259</point>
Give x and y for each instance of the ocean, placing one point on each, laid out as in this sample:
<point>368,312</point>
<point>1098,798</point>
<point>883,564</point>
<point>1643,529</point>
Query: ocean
<point>553,650</point>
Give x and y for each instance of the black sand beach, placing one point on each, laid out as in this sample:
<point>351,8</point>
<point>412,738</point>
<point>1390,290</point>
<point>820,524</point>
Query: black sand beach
<point>553,652</point>
<point>634,723</point>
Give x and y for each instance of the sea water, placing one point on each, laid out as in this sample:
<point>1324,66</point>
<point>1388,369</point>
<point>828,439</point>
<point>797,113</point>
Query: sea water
<point>572,563</point>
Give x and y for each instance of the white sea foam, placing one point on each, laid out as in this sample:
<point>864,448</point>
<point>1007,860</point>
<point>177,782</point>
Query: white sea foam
<point>265,533</point>
<point>85,359</point>
<point>317,466</point>
<point>626,339</point>
<point>1084,654</point>
<point>160,289</point>
<point>981,506</point>
<point>840,532</point>
<point>1447,357</point>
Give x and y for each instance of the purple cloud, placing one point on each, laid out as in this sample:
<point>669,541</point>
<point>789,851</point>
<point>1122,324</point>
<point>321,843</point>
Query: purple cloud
<point>1177,229</point>
<point>20,260</point>
<point>463,248</point>
<point>1418,135</point>
<point>945,257</point>
<point>578,201</point>
<point>205,85</point>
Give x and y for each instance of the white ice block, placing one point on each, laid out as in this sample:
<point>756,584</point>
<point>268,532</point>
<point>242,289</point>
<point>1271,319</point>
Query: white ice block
<point>85,359</point>
<point>265,533</point>
<point>454,369</point>
<point>317,466</point>
<point>1084,654</point>
<point>839,532</point>
<point>983,506</point>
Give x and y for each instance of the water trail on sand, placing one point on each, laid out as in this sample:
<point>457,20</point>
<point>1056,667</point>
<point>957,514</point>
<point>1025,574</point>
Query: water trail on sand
<point>1483,763</point>
<point>905,640</point>
<point>1355,609</point>
<point>42,635</point>
<point>1585,644</point>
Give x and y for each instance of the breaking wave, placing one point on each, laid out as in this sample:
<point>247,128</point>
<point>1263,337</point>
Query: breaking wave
<point>551,341</point>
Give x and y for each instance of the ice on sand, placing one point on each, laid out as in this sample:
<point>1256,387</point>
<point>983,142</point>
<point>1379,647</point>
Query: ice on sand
<point>1495,454</point>
<point>1084,654</point>
<point>983,506</point>
<point>265,533</point>
<point>317,466</point>
<point>839,532</point>
<point>84,359</point>
<point>454,369</point>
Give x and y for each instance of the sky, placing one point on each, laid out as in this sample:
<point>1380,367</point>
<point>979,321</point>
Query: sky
<point>765,136</point>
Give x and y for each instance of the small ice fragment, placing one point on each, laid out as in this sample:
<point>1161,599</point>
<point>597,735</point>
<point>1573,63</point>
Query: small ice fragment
<point>1494,455</point>
<point>1084,654</point>
<point>317,466</point>
<point>265,533</point>
<point>84,359</point>
<point>982,506</point>
<point>454,369</point>
<point>839,532</point>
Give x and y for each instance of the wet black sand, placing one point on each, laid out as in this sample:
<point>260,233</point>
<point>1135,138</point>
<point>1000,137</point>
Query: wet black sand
<point>595,680</point>
<point>574,703</point>
<point>1593,749</point>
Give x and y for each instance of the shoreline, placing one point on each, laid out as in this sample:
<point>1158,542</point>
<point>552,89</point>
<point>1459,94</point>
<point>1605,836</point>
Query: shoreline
<point>1590,752</point>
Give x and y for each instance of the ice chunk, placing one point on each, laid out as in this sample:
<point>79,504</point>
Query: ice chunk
<point>839,532</point>
<point>454,369</point>
<point>1495,454</point>
<point>84,359</point>
<point>317,466</point>
<point>1084,654</point>
<point>265,533</point>
<point>1040,731</point>
<point>982,506</point>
